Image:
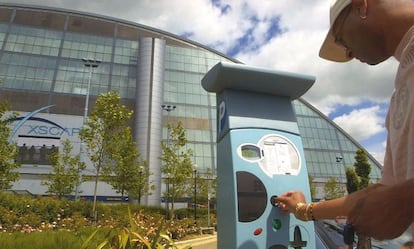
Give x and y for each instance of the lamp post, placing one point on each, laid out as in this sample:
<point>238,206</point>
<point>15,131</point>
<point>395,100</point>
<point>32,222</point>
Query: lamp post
<point>339,160</point>
<point>141,168</point>
<point>91,64</point>
<point>195,196</point>
<point>167,199</point>
<point>168,109</point>
<point>208,201</point>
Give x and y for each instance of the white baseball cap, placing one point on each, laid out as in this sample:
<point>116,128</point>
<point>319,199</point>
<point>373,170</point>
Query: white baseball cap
<point>330,50</point>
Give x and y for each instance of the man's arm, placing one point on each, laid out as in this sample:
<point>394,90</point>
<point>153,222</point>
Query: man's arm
<point>329,209</point>
<point>386,212</point>
<point>342,206</point>
<point>379,211</point>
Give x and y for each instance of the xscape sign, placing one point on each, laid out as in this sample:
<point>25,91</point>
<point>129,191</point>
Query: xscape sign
<point>29,125</point>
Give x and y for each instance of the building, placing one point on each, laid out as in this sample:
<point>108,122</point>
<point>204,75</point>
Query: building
<point>46,81</point>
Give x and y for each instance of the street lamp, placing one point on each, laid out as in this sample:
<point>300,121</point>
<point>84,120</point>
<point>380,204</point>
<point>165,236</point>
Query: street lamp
<point>168,109</point>
<point>195,196</point>
<point>167,197</point>
<point>339,160</point>
<point>208,200</point>
<point>91,64</point>
<point>141,168</point>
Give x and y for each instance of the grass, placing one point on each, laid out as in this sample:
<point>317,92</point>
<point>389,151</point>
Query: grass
<point>52,239</point>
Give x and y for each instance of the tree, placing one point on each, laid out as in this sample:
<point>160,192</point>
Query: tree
<point>312,187</point>
<point>351,180</point>
<point>362,168</point>
<point>66,171</point>
<point>206,185</point>
<point>332,189</point>
<point>357,179</point>
<point>128,175</point>
<point>142,186</point>
<point>102,133</point>
<point>8,149</point>
<point>177,164</point>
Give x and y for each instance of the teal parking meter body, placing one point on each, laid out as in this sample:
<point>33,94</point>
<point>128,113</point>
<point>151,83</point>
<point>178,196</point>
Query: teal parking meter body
<point>259,155</point>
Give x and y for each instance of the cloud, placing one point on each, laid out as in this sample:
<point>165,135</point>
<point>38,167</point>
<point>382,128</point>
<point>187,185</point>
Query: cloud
<point>280,34</point>
<point>296,50</point>
<point>366,125</point>
<point>378,152</point>
<point>362,124</point>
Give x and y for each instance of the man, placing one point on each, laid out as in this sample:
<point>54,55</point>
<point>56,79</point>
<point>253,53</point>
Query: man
<point>372,31</point>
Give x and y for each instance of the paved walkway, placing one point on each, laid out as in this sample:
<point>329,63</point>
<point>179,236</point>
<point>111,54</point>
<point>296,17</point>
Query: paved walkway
<point>197,241</point>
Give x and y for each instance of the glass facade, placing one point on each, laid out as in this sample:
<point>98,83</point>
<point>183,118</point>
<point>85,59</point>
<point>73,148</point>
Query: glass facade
<point>185,67</point>
<point>40,64</point>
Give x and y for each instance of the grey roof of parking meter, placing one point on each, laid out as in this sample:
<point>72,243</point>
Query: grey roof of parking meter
<point>254,79</point>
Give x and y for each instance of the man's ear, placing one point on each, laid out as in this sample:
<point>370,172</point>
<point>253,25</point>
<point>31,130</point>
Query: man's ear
<point>362,7</point>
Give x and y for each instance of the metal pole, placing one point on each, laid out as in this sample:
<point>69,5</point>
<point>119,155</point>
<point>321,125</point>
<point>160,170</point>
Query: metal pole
<point>339,160</point>
<point>85,114</point>
<point>168,109</point>
<point>167,200</point>
<point>89,63</point>
<point>140,184</point>
<point>208,209</point>
<point>195,196</point>
<point>208,201</point>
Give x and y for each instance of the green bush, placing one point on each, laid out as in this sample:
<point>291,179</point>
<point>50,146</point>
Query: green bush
<point>144,232</point>
<point>46,222</point>
<point>52,239</point>
<point>202,215</point>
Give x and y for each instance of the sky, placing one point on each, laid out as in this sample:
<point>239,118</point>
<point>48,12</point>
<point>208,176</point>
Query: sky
<point>284,35</point>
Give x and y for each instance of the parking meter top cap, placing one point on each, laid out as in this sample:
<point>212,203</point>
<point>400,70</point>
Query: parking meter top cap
<point>253,79</point>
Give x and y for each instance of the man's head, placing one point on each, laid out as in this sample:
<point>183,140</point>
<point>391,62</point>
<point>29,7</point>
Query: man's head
<point>357,31</point>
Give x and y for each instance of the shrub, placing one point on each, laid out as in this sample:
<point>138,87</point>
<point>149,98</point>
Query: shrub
<point>51,239</point>
<point>144,232</point>
<point>46,217</point>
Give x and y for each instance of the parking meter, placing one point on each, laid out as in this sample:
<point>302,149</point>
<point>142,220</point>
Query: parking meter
<point>259,155</point>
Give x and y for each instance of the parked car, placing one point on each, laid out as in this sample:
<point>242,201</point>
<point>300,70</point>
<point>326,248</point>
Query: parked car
<point>329,235</point>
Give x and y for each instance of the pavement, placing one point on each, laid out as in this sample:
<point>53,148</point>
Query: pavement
<point>197,241</point>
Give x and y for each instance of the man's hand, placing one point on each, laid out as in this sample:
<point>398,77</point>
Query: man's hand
<point>288,201</point>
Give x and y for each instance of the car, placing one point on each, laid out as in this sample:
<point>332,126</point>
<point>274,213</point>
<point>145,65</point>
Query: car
<point>329,235</point>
